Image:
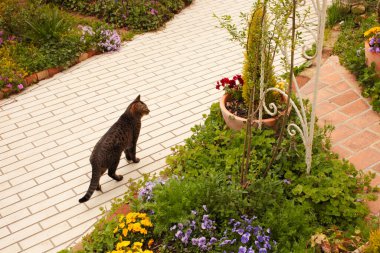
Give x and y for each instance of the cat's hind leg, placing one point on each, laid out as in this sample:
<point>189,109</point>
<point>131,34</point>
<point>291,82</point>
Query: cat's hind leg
<point>112,171</point>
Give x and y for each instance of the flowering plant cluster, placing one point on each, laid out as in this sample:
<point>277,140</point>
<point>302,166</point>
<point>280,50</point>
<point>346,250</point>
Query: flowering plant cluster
<point>11,74</point>
<point>200,234</point>
<point>146,192</point>
<point>134,233</point>
<point>234,87</point>
<point>373,36</point>
<point>104,39</point>
<point>196,235</point>
<point>247,238</point>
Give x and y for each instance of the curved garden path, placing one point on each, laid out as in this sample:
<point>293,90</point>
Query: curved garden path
<point>48,131</point>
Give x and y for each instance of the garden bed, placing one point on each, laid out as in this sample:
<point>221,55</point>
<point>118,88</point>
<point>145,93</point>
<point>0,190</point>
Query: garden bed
<point>201,207</point>
<point>38,40</point>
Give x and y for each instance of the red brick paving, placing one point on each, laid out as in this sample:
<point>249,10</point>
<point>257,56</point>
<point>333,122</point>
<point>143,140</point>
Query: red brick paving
<point>357,127</point>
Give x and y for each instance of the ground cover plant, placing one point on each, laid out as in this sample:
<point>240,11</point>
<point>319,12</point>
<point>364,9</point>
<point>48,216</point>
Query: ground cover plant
<point>141,15</point>
<point>36,37</point>
<point>350,49</point>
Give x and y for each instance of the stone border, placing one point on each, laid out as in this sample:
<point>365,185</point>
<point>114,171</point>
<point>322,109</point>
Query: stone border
<point>44,74</point>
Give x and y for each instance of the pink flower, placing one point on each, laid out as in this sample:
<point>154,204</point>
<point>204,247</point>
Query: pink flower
<point>153,11</point>
<point>20,86</point>
<point>9,85</point>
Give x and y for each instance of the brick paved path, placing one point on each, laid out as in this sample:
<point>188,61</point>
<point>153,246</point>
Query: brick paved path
<point>47,132</point>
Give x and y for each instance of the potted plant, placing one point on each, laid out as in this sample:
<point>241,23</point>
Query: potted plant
<point>372,47</point>
<point>233,107</point>
<point>253,87</point>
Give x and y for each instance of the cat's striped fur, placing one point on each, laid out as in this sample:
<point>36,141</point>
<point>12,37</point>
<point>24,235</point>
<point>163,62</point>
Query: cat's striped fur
<point>122,136</point>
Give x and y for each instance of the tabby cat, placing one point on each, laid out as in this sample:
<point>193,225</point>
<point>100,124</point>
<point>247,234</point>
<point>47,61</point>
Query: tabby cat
<point>122,136</point>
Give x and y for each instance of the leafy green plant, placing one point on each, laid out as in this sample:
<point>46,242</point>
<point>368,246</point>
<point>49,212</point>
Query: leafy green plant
<point>350,49</point>
<point>47,24</point>
<point>174,201</point>
<point>336,12</point>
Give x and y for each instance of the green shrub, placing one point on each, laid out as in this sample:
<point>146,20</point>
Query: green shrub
<point>46,25</point>
<point>331,191</point>
<point>174,201</point>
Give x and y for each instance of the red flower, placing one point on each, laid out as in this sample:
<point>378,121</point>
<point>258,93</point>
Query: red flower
<point>232,84</point>
<point>218,86</point>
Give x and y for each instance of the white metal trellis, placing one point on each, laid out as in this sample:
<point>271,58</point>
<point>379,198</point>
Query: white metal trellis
<point>306,130</point>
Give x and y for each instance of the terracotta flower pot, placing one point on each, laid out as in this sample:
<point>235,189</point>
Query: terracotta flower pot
<point>237,123</point>
<point>372,57</point>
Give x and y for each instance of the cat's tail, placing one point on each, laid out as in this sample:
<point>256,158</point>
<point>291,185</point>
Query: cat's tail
<point>93,185</point>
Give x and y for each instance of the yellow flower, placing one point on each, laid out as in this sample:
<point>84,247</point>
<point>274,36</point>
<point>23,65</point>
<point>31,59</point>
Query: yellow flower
<point>372,31</point>
<point>137,245</point>
<point>125,232</point>
<point>121,225</point>
<point>150,243</point>
<point>146,222</point>
<point>122,244</point>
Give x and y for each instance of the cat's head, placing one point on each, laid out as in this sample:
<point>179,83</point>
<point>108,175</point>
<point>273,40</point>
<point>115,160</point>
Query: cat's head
<point>138,107</point>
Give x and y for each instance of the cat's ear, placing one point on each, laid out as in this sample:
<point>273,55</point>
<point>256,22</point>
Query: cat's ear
<point>137,99</point>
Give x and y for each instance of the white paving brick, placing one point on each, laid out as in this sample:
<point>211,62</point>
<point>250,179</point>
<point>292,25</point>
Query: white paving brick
<point>14,248</point>
<point>19,236</point>
<point>44,235</point>
<point>4,232</point>
<point>41,247</point>
<point>35,208</point>
<point>63,216</point>
<point>27,221</point>
<point>41,188</point>
<point>22,204</point>
<point>73,233</point>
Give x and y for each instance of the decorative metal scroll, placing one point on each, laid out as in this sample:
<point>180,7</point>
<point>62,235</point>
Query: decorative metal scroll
<point>306,128</point>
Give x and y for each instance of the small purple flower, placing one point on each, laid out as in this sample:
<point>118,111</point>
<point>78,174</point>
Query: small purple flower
<point>371,41</point>
<point>193,212</point>
<point>20,86</point>
<point>9,85</point>
<point>371,49</point>
<point>286,181</point>
<point>242,249</point>
<point>205,208</point>
<point>194,241</point>
<point>179,234</point>
<point>250,250</point>
<point>240,231</point>
<point>263,250</point>
<point>225,242</point>
<point>213,240</point>
<point>245,238</point>
<point>377,50</point>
